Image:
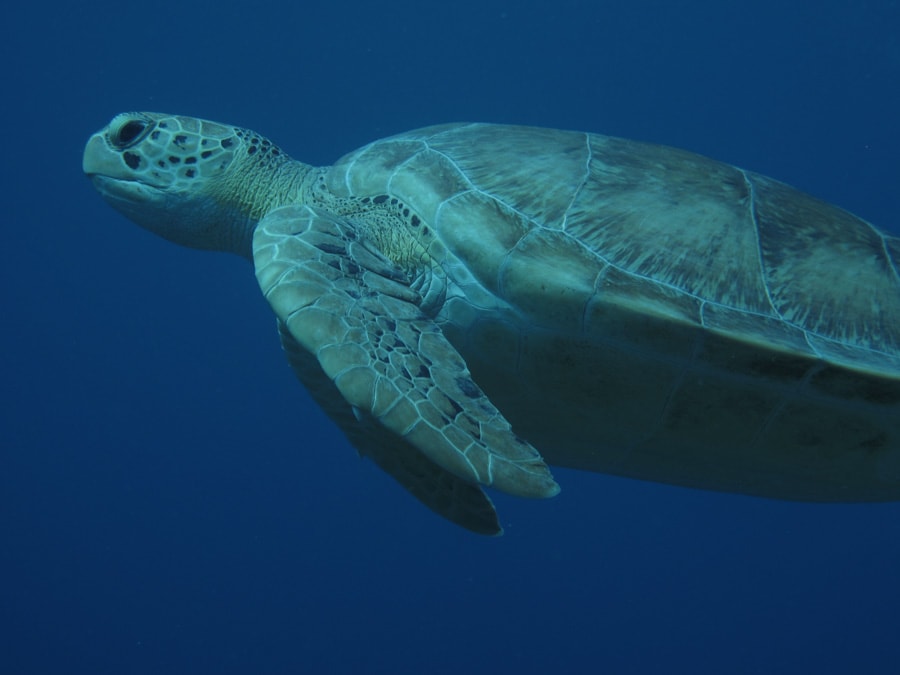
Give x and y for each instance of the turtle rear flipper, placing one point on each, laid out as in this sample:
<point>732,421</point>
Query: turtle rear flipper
<point>353,310</point>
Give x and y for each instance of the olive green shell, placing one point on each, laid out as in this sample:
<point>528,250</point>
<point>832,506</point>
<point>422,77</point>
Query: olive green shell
<point>644,311</point>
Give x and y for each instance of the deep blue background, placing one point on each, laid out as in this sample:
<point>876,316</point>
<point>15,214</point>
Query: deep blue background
<point>172,502</point>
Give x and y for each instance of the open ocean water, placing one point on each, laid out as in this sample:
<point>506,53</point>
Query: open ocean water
<point>171,501</point>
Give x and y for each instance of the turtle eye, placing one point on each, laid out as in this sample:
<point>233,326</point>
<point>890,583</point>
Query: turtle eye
<point>128,133</point>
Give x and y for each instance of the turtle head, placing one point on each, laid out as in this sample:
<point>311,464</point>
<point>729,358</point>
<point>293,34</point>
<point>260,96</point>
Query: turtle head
<point>194,182</point>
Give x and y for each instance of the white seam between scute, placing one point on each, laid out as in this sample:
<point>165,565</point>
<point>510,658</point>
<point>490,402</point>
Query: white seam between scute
<point>587,175</point>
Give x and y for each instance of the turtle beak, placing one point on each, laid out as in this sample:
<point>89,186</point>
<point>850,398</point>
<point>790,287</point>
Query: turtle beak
<point>111,177</point>
<point>98,159</point>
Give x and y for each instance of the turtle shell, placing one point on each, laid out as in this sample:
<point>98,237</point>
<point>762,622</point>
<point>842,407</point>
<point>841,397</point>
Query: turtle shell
<point>644,311</point>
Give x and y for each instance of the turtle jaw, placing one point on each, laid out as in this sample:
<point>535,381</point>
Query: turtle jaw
<point>195,223</point>
<point>144,205</point>
<point>141,203</point>
<point>118,190</point>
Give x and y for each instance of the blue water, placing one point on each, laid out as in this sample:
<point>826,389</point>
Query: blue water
<point>172,502</point>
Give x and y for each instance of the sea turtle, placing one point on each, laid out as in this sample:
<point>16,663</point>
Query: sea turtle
<point>468,301</point>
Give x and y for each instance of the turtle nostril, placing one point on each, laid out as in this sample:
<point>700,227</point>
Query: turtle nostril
<point>128,132</point>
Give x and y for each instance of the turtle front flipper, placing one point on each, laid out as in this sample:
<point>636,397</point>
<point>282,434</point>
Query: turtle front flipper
<point>447,495</point>
<point>353,309</point>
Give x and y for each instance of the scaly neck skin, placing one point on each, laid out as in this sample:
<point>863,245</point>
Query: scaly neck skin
<point>248,193</point>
